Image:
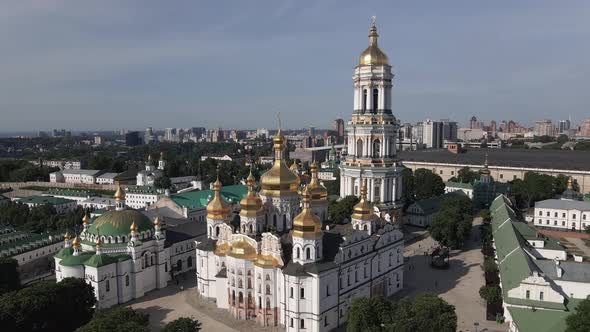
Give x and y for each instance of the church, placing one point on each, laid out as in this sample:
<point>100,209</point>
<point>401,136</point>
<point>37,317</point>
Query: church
<point>284,264</point>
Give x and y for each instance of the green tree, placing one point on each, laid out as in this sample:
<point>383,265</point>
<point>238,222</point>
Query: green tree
<point>120,319</point>
<point>369,314</point>
<point>489,265</point>
<point>408,185</point>
<point>466,175</point>
<point>424,313</point>
<point>333,186</point>
<point>163,182</point>
<point>579,320</point>
<point>342,209</point>
<point>535,187</point>
<point>451,226</point>
<point>427,184</point>
<point>485,215</point>
<point>492,294</point>
<point>9,278</point>
<point>183,324</point>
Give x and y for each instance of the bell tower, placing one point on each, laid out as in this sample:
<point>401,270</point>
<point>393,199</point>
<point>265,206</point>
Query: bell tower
<point>372,133</point>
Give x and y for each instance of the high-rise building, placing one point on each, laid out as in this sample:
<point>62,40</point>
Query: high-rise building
<point>449,130</point>
<point>544,128</point>
<point>493,126</point>
<point>432,134</point>
<point>473,123</point>
<point>338,127</point>
<point>148,136</point>
<point>564,125</point>
<point>372,133</point>
<point>132,138</point>
<point>169,135</point>
<point>585,128</point>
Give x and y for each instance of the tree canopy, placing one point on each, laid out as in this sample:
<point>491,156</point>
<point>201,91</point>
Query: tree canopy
<point>119,319</point>
<point>408,186</point>
<point>535,187</point>
<point>451,226</point>
<point>183,324</point>
<point>38,219</point>
<point>465,175</point>
<point>424,313</point>
<point>9,277</point>
<point>579,320</point>
<point>427,184</point>
<point>342,209</point>
<point>46,306</point>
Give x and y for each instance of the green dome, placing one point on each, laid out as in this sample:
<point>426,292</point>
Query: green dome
<point>117,223</point>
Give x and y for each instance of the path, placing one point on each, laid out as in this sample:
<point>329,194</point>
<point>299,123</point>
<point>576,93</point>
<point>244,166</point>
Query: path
<point>581,245</point>
<point>459,285</point>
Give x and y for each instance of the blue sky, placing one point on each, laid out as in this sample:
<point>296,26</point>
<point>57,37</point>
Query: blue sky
<point>131,64</point>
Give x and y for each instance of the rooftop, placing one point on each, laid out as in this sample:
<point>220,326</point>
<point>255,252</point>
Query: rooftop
<point>564,204</point>
<point>200,198</point>
<point>81,171</point>
<point>544,159</point>
<point>45,200</point>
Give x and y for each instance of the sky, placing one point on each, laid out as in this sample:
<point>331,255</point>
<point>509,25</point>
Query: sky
<point>101,65</point>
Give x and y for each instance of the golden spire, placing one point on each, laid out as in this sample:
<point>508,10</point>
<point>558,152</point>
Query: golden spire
<point>279,180</point>
<point>86,219</point>
<point>98,239</point>
<point>119,194</point>
<point>157,221</point>
<point>306,224</point>
<point>251,204</point>
<point>217,208</point>
<point>373,55</point>
<point>67,236</point>
<point>133,228</point>
<point>76,242</point>
<point>318,191</point>
<point>363,210</point>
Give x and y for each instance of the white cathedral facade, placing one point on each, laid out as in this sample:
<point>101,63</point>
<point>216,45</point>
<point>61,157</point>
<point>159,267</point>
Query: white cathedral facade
<point>371,135</point>
<point>283,264</point>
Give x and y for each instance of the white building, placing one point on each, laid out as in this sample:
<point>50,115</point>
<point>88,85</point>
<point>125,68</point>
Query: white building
<point>98,203</point>
<point>123,254</point>
<point>78,195</point>
<point>280,267</point>
<point>139,197</point>
<point>106,178</point>
<point>567,213</point>
<point>432,134</point>
<point>76,176</point>
<point>466,188</point>
<point>61,205</point>
<point>151,173</point>
<point>372,133</point>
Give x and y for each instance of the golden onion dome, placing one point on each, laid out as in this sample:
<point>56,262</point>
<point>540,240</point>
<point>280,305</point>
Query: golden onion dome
<point>266,261</point>
<point>119,194</point>
<point>373,55</point>
<point>157,221</point>
<point>570,183</point>
<point>217,208</point>
<point>86,219</point>
<point>222,249</point>
<point>279,180</point>
<point>99,242</point>
<point>251,204</point>
<point>242,249</point>
<point>318,191</point>
<point>76,242</point>
<point>67,236</point>
<point>306,223</point>
<point>363,210</point>
<point>133,227</point>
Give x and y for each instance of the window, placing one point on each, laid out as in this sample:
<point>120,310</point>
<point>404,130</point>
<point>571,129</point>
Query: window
<point>555,214</point>
<point>166,267</point>
<point>307,253</point>
<point>326,320</point>
<point>359,148</point>
<point>574,216</point>
<point>364,105</point>
<point>298,253</point>
<point>548,214</point>
<point>291,293</point>
<point>583,217</point>
<point>375,99</point>
<point>528,294</point>
<point>441,172</point>
<point>108,286</point>
<point>267,289</point>
<point>541,296</point>
<point>189,262</point>
<point>259,302</point>
<point>127,280</point>
<point>376,148</point>
<point>267,303</point>
<point>501,176</point>
<point>541,213</point>
<point>302,324</point>
<point>302,293</point>
<point>327,290</point>
<point>452,172</point>
<point>291,323</point>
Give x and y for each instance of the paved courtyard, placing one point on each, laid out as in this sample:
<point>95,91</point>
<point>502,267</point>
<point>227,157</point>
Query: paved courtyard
<point>459,285</point>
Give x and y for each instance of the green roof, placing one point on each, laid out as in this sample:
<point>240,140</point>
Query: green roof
<point>530,233</point>
<point>27,241</point>
<point>199,198</point>
<point>71,260</point>
<point>118,223</point>
<point>528,320</point>
<point>89,258</point>
<point>69,192</point>
<point>45,200</point>
<point>106,259</point>
<point>458,185</point>
<point>64,252</point>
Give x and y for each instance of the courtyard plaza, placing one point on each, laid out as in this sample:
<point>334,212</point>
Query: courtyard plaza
<point>458,285</point>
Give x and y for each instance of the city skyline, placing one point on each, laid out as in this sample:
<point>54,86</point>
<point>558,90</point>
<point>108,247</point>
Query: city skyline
<point>108,65</point>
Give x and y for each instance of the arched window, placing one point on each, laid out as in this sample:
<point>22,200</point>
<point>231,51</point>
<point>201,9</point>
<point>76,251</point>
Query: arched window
<point>145,260</point>
<point>240,284</point>
<point>233,297</point>
<point>249,283</point>
<point>274,221</point>
<point>217,231</point>
<point>251,229</point>
<point>126,280</point>
<point>376,148</point>
<point>375,99</point>
<point>189,262</point>
<point>233,282</point>
<point>365,227</point>
<point>298,253</point>
<point>267,303</point>
<point>364,100</point>
<point>267,290</point>
<point>179,265</point>
<point>108,286</point>
<point>359,148</point>
<point>284,222</point>
<point>307,253</point>
<point>259,302</point>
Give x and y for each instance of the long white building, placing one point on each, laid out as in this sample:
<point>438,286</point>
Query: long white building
<point>566,214</point>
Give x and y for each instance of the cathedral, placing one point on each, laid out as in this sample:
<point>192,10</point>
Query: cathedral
<point>285,264</point>
<point>371,135</point>
<point>148,176</point>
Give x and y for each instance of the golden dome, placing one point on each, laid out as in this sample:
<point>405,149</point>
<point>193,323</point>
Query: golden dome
<point>306,223</point>
<point>76,242</point>
<point>363,210</point>
<point>119,194</point>
<point>99,242</point>
<point>222,249</point>
<point>279,180</point>
<point>86,219</point>
<point>318,191</point>
<point>157,221</point>
<point>217,208</point>
<point>266,261</point>
<point>242,249</point>
<point>373,55</point>
<point>133,227</point>
<point>67,236</point>
<point>251,204</point>
<point>570,183</point>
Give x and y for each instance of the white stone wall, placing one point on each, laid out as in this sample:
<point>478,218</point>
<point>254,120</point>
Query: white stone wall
<point>562,219</point>
<point>32,255</point>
